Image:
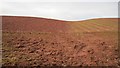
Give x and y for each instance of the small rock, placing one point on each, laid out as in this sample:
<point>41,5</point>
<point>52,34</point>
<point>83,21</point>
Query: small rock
<point>19,46</point>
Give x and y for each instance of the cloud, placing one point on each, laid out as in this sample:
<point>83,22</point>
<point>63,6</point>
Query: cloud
<point>62,10</point>
<point>60,0</point>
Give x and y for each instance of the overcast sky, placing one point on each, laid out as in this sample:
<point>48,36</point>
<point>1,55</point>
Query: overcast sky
<point>62,10</point>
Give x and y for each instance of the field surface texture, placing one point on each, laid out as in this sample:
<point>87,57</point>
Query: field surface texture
<point>29,41</point>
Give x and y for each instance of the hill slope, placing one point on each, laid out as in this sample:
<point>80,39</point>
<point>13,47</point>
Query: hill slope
<point>93,47</point>
<point>16,23</point>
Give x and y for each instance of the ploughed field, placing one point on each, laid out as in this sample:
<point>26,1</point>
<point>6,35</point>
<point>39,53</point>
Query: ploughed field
<point>28,41</point>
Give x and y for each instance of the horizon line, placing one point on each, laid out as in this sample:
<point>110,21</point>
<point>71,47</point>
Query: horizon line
<point>59,19</point>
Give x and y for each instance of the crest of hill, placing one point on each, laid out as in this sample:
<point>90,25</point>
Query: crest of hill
<point>22,23</point>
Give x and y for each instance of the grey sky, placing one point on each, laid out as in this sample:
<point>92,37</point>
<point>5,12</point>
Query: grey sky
<point>60,0</point>
<point>61,10</point>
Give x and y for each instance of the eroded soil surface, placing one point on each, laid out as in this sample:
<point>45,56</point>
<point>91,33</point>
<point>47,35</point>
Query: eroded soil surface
<point>60,49</point>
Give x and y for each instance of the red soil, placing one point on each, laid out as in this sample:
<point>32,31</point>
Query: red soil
<point>32,24</point>
<point>34,45</point>
<point>14,23</point>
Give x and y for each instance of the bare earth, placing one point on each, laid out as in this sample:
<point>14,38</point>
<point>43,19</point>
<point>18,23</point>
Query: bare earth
<point>67,45</point>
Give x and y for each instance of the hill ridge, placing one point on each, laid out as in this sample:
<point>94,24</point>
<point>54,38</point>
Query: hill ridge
<point>22,23</point>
